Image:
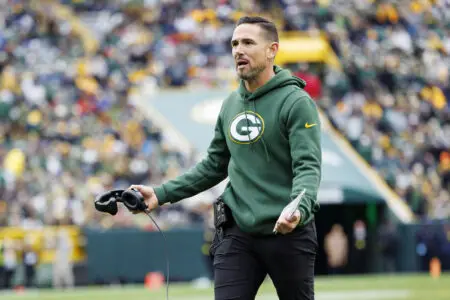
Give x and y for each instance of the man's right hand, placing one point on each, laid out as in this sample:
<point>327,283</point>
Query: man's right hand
<point>149,195</point>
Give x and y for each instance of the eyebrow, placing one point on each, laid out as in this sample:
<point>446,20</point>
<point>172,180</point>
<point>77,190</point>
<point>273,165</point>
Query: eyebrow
<point>243,40</point>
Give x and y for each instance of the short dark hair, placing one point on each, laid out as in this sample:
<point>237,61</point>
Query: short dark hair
<point>268,26</point>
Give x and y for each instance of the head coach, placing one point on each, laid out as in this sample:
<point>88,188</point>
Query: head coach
<point>267,142</point>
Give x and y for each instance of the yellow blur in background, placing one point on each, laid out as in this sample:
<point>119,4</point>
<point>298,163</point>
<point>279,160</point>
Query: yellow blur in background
<point>42,241</point>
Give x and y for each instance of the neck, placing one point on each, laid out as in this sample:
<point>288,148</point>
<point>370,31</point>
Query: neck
<point>252,84</point>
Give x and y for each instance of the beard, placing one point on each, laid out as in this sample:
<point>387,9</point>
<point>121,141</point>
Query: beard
<point>252,73</point>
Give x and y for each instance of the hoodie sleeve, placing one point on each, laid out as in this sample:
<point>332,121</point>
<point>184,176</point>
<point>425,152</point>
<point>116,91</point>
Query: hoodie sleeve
<point>209,172</point>
<point>304,134</point>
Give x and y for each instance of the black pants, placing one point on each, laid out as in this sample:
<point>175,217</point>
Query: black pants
<point>29,275</point>
<point>9,274</point>
<point>2,277</point>
<point>241,262</point>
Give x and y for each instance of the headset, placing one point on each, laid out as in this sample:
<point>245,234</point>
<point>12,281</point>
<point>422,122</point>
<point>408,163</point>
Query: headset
<point>134,201</point>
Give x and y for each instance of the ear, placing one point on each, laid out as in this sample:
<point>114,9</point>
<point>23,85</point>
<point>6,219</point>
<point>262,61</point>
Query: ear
<point>272,50</point>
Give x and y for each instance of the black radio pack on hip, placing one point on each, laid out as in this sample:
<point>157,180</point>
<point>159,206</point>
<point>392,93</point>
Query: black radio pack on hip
<point>222,216</point>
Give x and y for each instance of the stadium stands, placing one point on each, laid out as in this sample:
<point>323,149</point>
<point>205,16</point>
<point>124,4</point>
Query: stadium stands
<point>391,102</point>
<point>67,127</point>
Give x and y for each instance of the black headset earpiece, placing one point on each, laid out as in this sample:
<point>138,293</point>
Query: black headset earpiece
<point>107,202</point>
<point>132,199</point>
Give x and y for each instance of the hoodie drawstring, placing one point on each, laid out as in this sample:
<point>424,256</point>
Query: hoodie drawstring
<point>246,120</point>
<point>262,138</point>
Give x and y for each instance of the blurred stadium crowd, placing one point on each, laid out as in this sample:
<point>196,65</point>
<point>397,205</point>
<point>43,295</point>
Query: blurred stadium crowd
<point>392,101</point>
<point>69,128</point>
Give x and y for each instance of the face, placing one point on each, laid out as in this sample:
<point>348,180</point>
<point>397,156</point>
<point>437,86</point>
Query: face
<point>252,52</point>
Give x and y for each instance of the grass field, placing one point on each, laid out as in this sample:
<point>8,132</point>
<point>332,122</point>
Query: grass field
<point>400,287</point>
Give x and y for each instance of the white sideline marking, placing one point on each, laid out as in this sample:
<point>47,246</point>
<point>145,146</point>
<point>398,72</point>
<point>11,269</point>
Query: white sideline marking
<point>336,295</point>
<point>364,294</point>
<point>341,295</point>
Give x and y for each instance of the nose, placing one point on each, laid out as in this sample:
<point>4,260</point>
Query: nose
<point>237,51</point>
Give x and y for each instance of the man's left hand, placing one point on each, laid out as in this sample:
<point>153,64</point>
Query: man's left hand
<point>285,225</point>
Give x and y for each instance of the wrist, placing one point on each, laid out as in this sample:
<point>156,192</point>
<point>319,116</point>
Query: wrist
<point>161,195</point>
<point>302,215</point>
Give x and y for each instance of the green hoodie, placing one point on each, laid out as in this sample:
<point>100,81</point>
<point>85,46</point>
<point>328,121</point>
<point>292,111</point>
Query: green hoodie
<point>268,143</point>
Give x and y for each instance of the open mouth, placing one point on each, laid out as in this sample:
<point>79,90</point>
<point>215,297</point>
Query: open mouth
<point>242,63</point>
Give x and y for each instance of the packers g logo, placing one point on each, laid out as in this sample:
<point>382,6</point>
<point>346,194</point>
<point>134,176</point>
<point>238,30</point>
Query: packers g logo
<point>246,128</point>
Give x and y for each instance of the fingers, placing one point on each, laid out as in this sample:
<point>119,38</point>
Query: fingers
<point>294,218</point>
<point>286,224</point>
<point>277,228</point>
<point>136,186</point>
<point>283,227</point>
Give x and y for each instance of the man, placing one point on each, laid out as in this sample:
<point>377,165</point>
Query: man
<point>267,141</point>
<point>388,241</point>
<point>336,248</point>
<point>63,276</point>
<point>30,261</point>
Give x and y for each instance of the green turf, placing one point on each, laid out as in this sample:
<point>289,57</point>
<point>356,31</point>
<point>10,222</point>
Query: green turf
<point>400,287</point>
